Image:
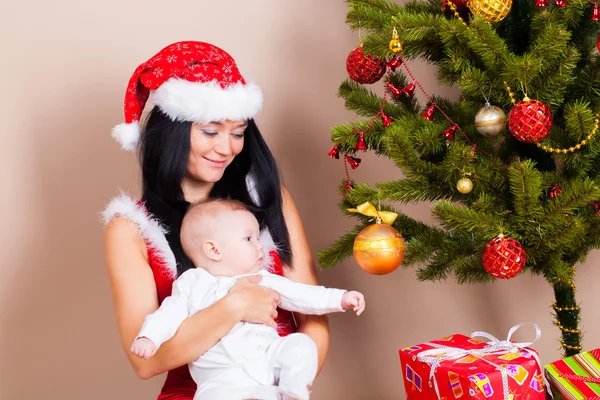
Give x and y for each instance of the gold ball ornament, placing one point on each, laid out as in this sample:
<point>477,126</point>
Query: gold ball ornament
<point>379,249</point>
<point>464,185</point>
<point>490,120</point>
<point>491,10</point>
<point>396,45</point>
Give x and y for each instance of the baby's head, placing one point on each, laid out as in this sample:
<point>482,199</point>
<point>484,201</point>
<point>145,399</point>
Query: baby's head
<point>222,236</point>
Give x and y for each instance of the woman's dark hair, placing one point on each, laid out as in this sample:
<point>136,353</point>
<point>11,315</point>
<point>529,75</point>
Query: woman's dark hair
<point>164,154</point>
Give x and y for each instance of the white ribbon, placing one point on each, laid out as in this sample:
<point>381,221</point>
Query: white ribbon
<point>440,353</point>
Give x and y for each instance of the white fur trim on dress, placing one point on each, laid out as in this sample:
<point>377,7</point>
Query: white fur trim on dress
<point>268,246</point>
<point>128,135</point>
<point>152,231</point>
<point>183,100</point>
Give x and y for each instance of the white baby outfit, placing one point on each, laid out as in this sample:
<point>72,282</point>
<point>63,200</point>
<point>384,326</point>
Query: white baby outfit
<point>252,361</point>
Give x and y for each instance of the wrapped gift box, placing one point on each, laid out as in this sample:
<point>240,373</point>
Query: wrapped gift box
<point>576,377</point>
<point>465,368</point>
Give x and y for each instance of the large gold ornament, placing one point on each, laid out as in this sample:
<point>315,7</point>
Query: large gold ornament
<point>491,10</point>
<point>378,248</point>
<point>490,120</point>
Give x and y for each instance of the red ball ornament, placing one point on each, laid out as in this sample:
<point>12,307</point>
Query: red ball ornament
<point>461,7</point>
<point>541,3</point>
<point>561,3</point>
<point>598,43</point>
<point>364,68</point>
<point>530,121</point>
<point>503,257</point>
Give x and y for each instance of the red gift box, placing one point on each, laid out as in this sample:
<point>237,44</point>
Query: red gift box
<point>464,367</point>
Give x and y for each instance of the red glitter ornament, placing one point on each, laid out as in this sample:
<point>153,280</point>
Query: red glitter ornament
<point>334,153</point>
<point>450,132</point>
<point>503,257</point>
<point>530,121</point>
<point>555,191</point>
<point>364,68</point>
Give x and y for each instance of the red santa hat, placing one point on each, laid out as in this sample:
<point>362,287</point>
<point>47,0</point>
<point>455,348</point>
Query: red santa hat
<point>188,81</point>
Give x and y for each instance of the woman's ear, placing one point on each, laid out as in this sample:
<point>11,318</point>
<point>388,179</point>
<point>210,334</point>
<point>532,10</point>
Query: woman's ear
<point>212,250</point>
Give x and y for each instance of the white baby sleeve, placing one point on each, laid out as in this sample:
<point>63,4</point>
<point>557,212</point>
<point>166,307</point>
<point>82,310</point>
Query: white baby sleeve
<point>162,324</point>
<point>302,298</point>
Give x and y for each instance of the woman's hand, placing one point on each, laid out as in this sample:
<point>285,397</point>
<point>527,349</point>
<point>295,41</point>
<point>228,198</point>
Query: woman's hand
<point>252,302</point>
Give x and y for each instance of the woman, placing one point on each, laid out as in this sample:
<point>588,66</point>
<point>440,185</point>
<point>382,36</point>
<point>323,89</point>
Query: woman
<point>199,142</point>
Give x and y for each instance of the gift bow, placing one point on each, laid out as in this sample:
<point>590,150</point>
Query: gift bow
<point>368,209</point>
<point>440,353</point>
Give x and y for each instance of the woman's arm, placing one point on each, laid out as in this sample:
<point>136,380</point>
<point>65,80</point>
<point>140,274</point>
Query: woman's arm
<point>315,326</point>
<point>134,295</point>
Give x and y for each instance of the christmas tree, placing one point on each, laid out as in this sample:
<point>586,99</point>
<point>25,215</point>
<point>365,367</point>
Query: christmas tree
<point>512,167</point>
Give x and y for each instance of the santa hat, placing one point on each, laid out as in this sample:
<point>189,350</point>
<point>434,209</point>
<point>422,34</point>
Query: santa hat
<point>188,81</point>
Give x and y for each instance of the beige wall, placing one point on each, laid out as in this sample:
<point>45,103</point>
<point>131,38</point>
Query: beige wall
<point>64,68</point>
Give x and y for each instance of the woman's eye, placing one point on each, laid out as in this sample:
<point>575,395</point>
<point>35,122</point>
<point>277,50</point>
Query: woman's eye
<point>210,133</point>
<point>238,135</point>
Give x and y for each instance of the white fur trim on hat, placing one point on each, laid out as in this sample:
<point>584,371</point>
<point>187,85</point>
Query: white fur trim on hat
<point>128,135</point>
<point>268,246</point>
<point>152,231</point>
<point>182,100</point>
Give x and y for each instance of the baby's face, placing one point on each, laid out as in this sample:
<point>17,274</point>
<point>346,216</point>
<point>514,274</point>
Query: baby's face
<point>238,235</point>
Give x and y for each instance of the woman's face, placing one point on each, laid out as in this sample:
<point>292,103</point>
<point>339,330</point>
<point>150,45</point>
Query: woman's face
<point>213,148</point>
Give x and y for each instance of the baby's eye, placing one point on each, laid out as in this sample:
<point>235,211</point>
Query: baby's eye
<point>248,239</point>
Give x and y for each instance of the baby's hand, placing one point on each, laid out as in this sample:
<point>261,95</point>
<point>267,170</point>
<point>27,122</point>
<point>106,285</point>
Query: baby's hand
<point>353,299</point>
<point>143,347</point>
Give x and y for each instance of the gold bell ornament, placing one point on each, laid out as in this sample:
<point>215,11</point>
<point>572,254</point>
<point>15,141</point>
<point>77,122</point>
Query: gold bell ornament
<point>396,45</point>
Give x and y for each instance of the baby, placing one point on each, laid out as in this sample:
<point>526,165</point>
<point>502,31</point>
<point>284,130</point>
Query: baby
<point>223,240</point>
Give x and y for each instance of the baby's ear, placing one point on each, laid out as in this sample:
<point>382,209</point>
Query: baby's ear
<point>212,250</point>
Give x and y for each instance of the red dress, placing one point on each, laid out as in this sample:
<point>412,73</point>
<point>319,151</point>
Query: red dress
<point>179,384</point>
